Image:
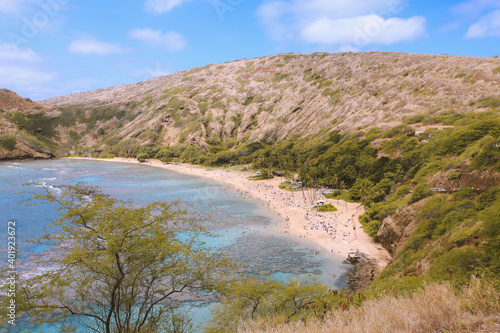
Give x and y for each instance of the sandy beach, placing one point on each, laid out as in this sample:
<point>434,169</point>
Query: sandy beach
<point>339,233</point>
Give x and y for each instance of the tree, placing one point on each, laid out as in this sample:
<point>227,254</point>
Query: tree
<point>255,298</point>
<point>266,174</point>
<point>420,192</point>
<point>118,269</point>
<point>142,157</point>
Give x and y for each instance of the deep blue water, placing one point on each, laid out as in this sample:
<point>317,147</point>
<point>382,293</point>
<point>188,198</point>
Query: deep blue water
<point>262,247</point>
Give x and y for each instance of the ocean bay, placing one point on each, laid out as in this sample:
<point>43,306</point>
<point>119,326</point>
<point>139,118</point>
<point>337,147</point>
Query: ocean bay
<point>246,229</point>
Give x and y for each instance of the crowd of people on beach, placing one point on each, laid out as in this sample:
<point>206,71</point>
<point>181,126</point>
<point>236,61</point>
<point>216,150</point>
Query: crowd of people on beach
<point>333,225</point>
<point>328,223</point>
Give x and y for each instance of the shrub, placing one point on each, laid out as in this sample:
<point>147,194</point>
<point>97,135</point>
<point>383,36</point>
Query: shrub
<point>73,135</point>
<point>8,142</point>
<point>458,140</point>
<point>248,100</point>
<point>142,157</point>
<point>486,199</point>
<point>223,158</point>
<point>420,192</point>
<point>279,77</point>
<point>488,101</point>
<point>402,191</point>
<point>414,119</point>
<point>326,208</point>
<point>457,265</point>
<point>213,140</point>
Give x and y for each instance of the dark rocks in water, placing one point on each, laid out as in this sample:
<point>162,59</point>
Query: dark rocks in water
<point>82,190</point>
<point>352,260</point>
<point>363,273</point>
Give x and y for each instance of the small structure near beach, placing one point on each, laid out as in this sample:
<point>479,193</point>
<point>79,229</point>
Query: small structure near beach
<point>279,173</point>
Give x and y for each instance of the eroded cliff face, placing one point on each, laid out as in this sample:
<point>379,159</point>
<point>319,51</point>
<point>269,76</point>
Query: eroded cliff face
<point>273,98</point>
<point>17,142</point>
<point>462,177</point>
<point>397,228</point>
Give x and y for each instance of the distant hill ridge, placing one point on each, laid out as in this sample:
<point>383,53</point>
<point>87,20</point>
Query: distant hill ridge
<point>15,141</point>
<point>275,97</point>
<point>265,99</point>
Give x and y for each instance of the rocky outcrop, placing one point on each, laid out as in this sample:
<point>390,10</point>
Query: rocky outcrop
<point>10,101</point>
<point>24,151</point>
<point>397,228</point>
<point>364,271</point>
<point>452,179</point>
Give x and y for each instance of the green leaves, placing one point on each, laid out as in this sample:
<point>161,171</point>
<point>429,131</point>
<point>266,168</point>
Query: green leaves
<point>420,192</point>
<point>118,268</point>
<point>260,298</point>
<point>8,142</point>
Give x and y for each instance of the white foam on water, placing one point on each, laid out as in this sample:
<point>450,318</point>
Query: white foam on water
<point>52,189</point>
<point>47,179</point>
<point>55,190</point>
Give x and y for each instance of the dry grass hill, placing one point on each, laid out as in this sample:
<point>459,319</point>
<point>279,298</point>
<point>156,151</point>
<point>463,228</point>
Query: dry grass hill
<point>15,141</point>
<point>273,98</point>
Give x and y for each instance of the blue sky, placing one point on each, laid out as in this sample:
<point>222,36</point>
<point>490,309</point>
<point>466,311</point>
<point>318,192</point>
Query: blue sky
<point>55,47</point>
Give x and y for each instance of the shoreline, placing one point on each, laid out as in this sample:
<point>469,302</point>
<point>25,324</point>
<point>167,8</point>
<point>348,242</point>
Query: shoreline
<point>339,233</point>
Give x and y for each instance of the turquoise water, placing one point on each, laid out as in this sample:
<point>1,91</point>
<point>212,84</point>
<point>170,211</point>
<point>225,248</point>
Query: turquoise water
<point>247,230</point>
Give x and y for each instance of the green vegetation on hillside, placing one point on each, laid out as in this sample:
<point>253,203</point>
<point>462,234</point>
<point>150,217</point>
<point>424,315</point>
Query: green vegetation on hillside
<point>436,175</point>
<point>388,170</point>
<point>8,142</point>
<point>437,308</point>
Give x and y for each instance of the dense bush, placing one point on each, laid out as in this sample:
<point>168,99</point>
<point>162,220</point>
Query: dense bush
<point>420,192</point>
<point>8,142</point>
<point>326,208</point>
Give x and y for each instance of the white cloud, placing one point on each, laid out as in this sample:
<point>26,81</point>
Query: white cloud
<point>170,40</point>
<point>151,71</point>
<point>12,6</point>
<point>20,69</point>
<point>10,52</point>
<point>163,6</point>
<point>272,16</point>
<point>474,7</point>
<point>19,76</point>
<point>91,46</point>
<point>488,26</point>
<point>344,22</point>
<point>363,30</point>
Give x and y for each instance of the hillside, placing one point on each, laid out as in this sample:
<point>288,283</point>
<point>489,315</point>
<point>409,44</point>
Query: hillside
<point>19,140</point>
<point>414,138</point>
<point>393,129</point>
<point>273,98</point>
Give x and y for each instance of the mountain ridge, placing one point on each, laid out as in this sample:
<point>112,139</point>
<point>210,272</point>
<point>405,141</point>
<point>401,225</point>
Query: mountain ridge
<point>16,142</point>
<point>272,98</point>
